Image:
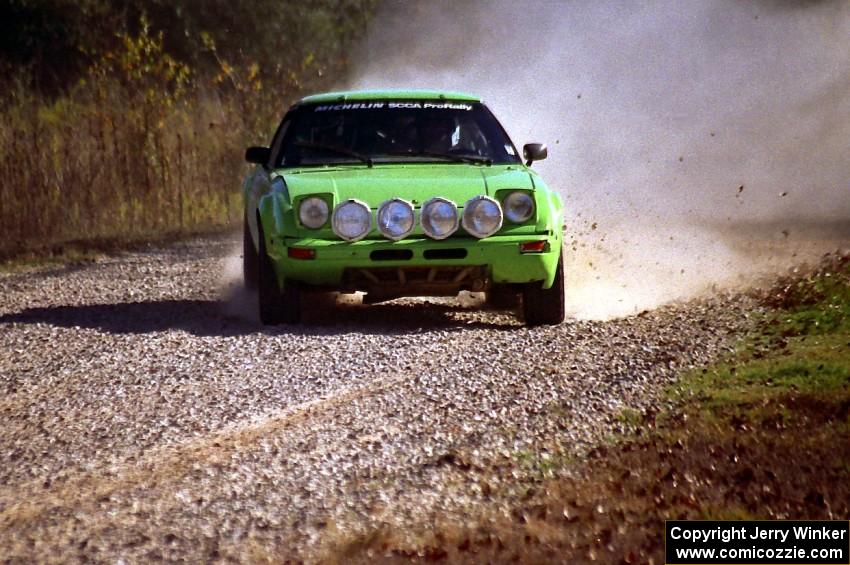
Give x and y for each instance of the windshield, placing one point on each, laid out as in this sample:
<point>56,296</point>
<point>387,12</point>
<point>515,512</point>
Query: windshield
<point>408,131</point>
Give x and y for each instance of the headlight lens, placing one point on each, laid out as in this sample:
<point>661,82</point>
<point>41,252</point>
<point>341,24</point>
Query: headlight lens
<point>395,218</point>
<point>439,218</point>
<point>352,220</point>
<point>482,216</point>
<point>313,212</point>
<point>518,206</point>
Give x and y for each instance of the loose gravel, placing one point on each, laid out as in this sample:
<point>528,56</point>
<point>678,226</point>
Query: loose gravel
<point>145,414</point>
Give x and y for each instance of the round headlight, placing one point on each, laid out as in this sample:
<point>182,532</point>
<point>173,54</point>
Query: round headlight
<point>439,218</point>
<point>482,216</point>
<point>352,220</point>
<point>395,218</point>
<point>518,206</point>
<point>313,212</point>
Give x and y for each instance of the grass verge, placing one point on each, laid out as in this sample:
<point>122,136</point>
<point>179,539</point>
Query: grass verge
<point>81,251</point>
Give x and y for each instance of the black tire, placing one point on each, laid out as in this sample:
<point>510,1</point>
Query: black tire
<point>249,259</point>
<point>545,307</point>
<point>502,297</point>
<point>275,307</point>
<point>292,302</point>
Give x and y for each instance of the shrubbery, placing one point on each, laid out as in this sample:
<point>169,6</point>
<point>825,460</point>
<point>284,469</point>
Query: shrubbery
<point>142,132</point>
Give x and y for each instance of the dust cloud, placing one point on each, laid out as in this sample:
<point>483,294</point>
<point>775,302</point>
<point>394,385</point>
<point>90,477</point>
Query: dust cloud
<point>695,143</point>
<point>237,302</point>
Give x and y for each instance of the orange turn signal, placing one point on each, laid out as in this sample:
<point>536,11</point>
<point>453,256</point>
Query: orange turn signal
<point>532,247</point>
<point>300,253</point>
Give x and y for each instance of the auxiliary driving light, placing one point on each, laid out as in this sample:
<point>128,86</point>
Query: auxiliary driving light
<point>518,206</point>
<point>482,216</point>
<point>352,220</point>
<point>395,218</point>
<point>439,218</point>
<point>313,212</point>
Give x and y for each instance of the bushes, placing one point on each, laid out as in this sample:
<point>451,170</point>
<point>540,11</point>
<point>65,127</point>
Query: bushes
<point>144,142</point>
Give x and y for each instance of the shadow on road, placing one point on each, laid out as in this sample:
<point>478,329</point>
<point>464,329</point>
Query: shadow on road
<point>233,316</point>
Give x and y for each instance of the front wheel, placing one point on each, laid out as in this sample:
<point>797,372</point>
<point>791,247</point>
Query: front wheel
<point>502,297</point>
<point>545,306</point>
<point>249,258</point>
<point>276,306</point>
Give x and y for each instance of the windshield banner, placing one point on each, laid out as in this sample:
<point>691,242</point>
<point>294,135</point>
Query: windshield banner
<point>400,104</point>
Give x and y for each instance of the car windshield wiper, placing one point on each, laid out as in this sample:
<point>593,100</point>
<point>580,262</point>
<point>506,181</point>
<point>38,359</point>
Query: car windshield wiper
<point>450,156</point>
<point>335,149</point>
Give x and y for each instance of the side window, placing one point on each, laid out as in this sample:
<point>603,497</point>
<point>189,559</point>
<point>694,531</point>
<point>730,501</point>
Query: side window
<point>277,142</point>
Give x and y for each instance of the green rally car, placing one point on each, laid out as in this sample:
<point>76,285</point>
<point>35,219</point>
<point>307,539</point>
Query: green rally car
<point>400,193</point>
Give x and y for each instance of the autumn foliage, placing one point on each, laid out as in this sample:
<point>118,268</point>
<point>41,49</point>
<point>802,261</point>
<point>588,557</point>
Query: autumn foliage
<point>142,132</point>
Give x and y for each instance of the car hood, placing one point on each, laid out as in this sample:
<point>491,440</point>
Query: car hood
<point>416,183</point>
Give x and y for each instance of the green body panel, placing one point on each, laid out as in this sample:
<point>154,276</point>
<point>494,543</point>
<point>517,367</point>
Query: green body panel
<point>414,183</point>
<point>387,94</point>
<point>500,253</point>
<point>271,199</point>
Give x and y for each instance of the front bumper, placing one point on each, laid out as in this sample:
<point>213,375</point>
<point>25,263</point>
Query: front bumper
<point>498,256</point>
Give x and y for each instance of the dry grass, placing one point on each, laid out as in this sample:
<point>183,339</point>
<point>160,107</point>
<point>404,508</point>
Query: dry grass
<point>141,146</point>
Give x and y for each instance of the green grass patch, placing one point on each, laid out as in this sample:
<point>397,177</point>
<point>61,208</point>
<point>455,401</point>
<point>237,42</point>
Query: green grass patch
<point>630,417</point>
<point>800,349</point>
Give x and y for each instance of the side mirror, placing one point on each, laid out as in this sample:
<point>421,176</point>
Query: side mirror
<point>258,155</point>
<point>532,152</point>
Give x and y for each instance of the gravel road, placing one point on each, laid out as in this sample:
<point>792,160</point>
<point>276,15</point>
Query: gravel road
<point>144,414</point>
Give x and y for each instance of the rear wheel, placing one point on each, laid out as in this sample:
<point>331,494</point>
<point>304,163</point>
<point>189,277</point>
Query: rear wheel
<point>545,306</point>
<point>249,258</point>
<point>275,306</point>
